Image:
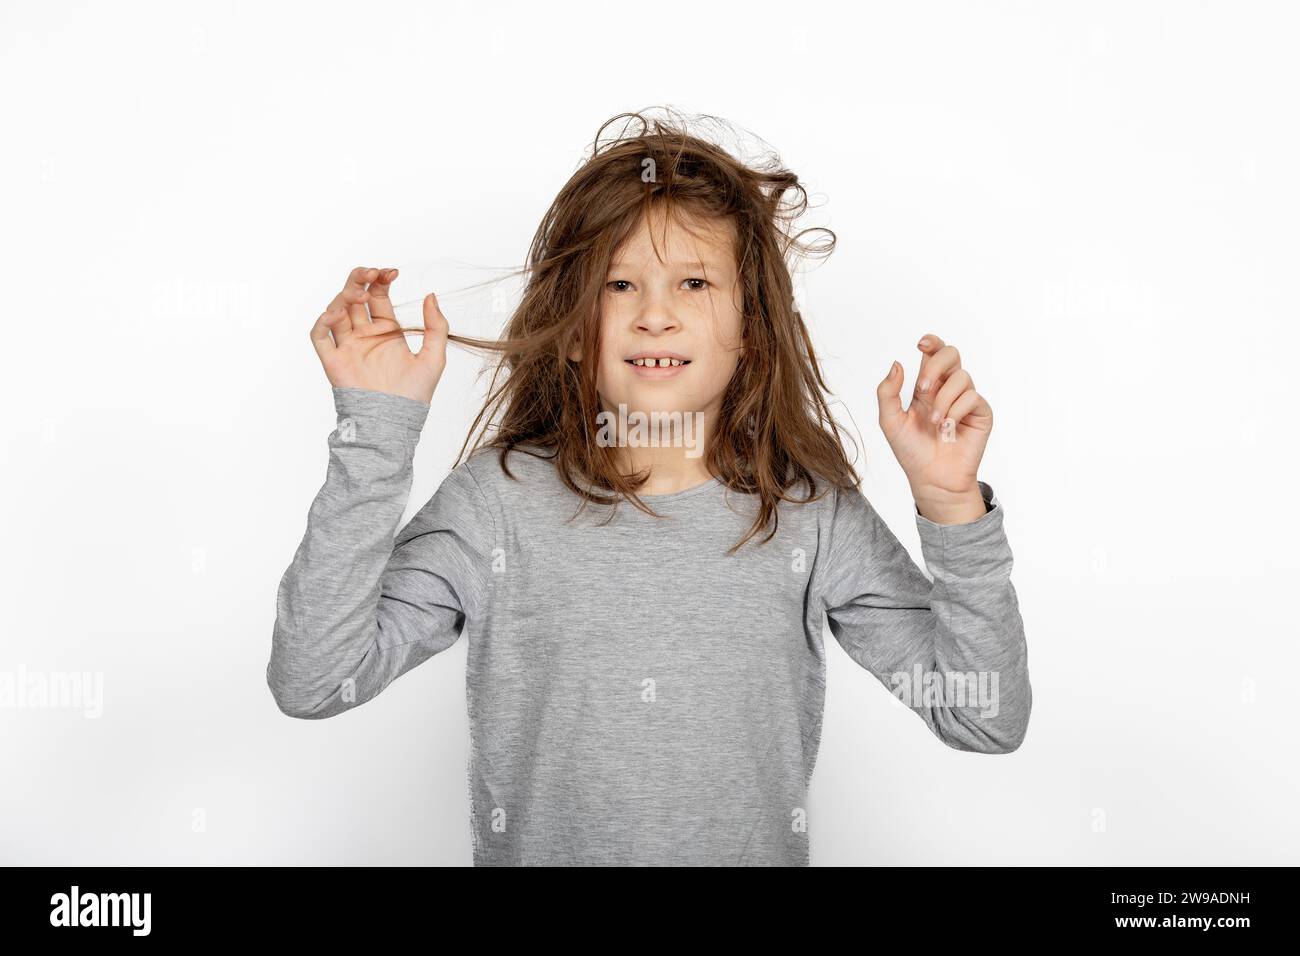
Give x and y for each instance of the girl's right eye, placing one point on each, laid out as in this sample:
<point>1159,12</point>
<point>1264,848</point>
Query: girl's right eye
<point>616,282</point>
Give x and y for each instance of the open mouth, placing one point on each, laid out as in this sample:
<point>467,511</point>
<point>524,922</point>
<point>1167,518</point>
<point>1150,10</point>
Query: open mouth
<point>657,365</point>
<point>657,362</point>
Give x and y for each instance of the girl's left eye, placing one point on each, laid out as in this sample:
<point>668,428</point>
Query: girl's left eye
<point>698,288</point>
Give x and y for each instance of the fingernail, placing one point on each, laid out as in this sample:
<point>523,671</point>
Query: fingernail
<point>925,384</point>
<point>924,342</point>
<point>934,417</point>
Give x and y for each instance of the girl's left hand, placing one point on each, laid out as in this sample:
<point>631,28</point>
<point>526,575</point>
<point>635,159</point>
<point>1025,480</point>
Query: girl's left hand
<point>941,437</point>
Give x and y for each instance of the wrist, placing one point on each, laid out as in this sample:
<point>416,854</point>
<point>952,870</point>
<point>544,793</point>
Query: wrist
<point>950,508</point>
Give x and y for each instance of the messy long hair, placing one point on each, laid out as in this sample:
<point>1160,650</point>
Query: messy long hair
<point>775,436</point>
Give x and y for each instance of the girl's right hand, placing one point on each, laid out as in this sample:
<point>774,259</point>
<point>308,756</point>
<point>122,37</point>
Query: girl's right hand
<point>350,339</point>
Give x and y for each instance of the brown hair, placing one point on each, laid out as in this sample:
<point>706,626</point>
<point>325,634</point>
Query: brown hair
<point>775,430</point>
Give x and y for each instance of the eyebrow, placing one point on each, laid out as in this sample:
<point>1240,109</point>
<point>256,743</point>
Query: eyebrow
<point>676,265</point>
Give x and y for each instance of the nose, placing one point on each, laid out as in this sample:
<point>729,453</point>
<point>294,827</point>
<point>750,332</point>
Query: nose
<point>656,316</point>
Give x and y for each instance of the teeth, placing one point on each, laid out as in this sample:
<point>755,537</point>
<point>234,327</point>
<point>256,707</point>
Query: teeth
<point>658,363</point>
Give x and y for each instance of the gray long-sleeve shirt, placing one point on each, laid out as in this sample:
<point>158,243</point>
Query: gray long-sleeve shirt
<point>636,696</point>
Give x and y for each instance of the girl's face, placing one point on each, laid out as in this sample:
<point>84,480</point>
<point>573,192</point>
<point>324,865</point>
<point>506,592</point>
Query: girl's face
<point>685,309</point>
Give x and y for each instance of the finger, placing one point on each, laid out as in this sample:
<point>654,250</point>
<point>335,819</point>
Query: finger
<point>323,332</point>
<point>436,328</point>
<point>383,318</point>
<point>357,308</point>
<point>935,368</point>
<point>353,291</point>
<point>953,388</point>
<point>969,405</point>
<point>321,339</point>
<point>887,395</point>
<point>381,306</point>
<point>928,344</point>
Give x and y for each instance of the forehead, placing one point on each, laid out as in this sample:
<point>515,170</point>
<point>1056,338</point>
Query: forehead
<point>681,241</point>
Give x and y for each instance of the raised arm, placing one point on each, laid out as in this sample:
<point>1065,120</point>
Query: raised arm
<point>953,649</point>
<point>362,604</point>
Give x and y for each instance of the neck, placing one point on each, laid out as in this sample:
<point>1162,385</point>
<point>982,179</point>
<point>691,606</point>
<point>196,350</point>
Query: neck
<point>671,470</point>
<point>673,451</point>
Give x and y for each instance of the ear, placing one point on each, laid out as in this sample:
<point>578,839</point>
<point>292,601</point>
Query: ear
<point>575,353</point>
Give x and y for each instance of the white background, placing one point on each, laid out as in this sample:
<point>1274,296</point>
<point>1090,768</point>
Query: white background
<point>1096,202</point>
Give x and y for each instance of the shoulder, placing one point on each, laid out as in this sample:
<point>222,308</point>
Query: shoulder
<point>522,481</point>
<point>845,518</point>
<point>823,496</point>
<point>504,472</point>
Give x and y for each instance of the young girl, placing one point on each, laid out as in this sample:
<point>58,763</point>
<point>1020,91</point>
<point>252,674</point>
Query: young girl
<point>646,680</point>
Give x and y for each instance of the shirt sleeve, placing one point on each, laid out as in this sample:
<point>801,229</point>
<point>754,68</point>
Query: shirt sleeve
<point>362,603</point>
<point>952,648</point>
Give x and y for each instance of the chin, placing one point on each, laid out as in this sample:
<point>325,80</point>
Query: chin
<point>650,403</point>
